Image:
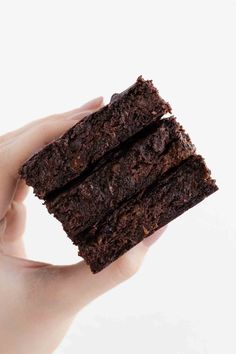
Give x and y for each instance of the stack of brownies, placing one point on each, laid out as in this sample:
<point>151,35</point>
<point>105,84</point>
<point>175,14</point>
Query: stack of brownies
<point>119,174</point>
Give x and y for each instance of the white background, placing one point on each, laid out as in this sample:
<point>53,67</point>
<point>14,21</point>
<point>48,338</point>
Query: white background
<point>54,55</point>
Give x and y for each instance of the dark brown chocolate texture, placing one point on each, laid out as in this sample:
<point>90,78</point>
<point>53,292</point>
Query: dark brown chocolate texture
<point>119,174</point>
<point>170,196</point>
<point>165,146</point>
<point>95,135</point>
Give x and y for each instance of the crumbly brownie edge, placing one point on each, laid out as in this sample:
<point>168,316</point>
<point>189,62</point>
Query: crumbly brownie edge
<point>182,189</point>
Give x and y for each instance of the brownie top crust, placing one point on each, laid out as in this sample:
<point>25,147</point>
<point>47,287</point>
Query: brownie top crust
<point>90,139</point>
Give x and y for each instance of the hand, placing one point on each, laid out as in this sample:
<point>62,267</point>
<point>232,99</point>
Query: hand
<point>38,301</point>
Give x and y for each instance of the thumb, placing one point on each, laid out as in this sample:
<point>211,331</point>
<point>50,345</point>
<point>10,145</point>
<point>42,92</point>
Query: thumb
<point>77,286</point>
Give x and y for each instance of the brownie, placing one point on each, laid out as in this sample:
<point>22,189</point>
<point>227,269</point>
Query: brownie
<point>168,197</point>
<point>162,147</point>
<point>90,139</point>
<point>119,174</point>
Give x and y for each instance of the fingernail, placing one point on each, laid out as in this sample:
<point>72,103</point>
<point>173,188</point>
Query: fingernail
<point>154,237</point>
<point>90,106</point>
<point>77,115</point>
<point>95,103</point>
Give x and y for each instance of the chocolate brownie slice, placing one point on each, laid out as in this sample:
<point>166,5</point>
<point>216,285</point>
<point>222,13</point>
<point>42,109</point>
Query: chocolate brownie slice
<point>85,143</point>
<point>139,165</point>
<point>171,195</point>
<point>119,174</point>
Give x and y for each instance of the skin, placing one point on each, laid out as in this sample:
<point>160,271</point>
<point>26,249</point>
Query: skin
<point>38,301</point>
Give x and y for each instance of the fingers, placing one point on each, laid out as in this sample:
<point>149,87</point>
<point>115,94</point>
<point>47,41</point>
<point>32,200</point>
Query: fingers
<point>23,143</point>
<point>35,138</point>
<point>77,286</point>
<point>91,105</point>
<point>15,249</point>
<point>14,224</point>
<point>95,104</point>
<point>21,191</point>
